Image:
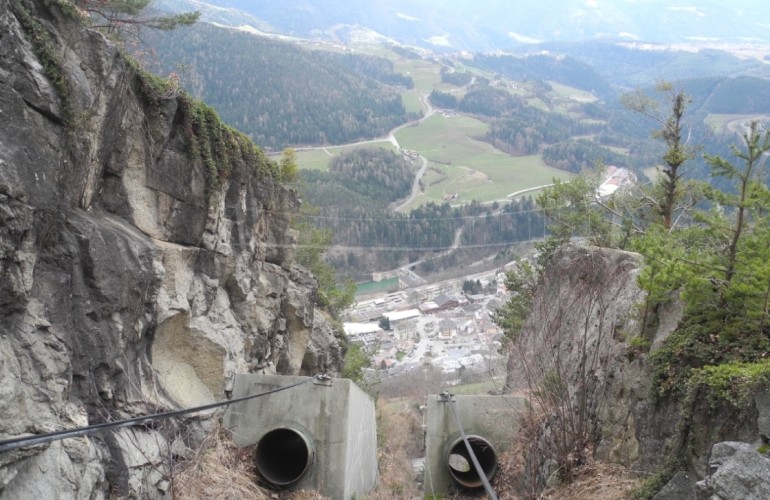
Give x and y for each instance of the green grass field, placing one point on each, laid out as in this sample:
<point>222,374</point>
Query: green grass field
<point>492,177</point>
<point>473,169</point>
<point>319,158</point>
<point>536,102</point>
<point>572,92</point>
<point>729,123</point>
<point>617,149</point>
<point>717,122</point>
<point>461,163</point>
<point>412,101</point>
<point>482,387</point>
<point>425,74</point>
<point>444,139</point>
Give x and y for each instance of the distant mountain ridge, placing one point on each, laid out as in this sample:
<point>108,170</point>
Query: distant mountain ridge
<point>488,25</point>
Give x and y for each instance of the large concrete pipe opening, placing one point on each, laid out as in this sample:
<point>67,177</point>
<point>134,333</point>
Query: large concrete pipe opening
<point>283,456</point>
<point>460,464</point>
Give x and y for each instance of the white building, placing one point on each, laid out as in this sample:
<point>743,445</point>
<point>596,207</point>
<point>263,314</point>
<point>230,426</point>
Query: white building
<point>359,329</point>
<point>396,316</point>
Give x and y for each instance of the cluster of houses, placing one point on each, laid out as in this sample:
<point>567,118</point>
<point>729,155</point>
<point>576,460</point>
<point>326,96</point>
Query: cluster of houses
<point>409,154</point>
<point>614,179</point>
<point>453,328</point>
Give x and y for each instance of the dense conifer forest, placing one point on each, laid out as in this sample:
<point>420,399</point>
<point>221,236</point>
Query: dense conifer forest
<point>352,201</point>
<point>281,94</point>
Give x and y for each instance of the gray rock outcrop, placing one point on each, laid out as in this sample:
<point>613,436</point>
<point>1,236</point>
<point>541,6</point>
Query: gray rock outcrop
<point>130,280</point>
<point>576,348</point>
<point>680,487</point>
<point>736,470</point>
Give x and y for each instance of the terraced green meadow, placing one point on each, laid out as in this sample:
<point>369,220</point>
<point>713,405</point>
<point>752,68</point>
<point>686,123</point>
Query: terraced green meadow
<point>319,158</point>
<point>468,167</point>
<point>425,74</point>
<point>462,167</point>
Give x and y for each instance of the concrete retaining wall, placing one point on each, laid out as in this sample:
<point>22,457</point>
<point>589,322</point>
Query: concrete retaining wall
<point>336,421</point>
<point>492,418</point>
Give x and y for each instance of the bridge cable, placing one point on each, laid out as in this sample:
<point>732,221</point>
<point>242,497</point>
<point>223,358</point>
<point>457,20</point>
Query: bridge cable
<point>20,442</point>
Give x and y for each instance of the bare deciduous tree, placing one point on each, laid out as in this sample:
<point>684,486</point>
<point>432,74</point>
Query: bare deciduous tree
<point>560,360</point>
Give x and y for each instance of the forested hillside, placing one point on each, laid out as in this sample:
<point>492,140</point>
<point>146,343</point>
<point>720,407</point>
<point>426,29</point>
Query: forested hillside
<point>587,133</point>
<point>740,95</point>
<point>352,201</point>
<point>279,93</point>
<point>288,94</point>
<point>631,64</point>
<point>559,68</point>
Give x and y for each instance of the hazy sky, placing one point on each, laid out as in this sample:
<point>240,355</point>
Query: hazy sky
<point>497,23</point>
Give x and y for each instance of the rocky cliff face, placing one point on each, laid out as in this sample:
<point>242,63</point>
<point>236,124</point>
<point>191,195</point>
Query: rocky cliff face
<point>576,348</point>
<point>133,276</point>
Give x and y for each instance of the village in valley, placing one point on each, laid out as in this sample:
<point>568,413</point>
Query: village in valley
<point>446,325</point>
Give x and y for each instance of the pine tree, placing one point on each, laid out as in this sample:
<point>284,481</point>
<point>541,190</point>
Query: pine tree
<point>125,17</point>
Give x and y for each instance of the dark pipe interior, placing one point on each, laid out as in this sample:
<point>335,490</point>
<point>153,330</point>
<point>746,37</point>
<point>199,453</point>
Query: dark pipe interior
<point>283,456</point>
<point>485,454</point>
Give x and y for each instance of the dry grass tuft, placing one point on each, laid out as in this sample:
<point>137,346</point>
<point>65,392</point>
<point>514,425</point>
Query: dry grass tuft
<point>303,495</point>
<point>593,481</point>
<point>219,470</point>
<point>400,435</point>
<point>509,473</point>
<point>509,481</point>
<point>597,481</point>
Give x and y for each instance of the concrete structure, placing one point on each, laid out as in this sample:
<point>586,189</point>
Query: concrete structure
<point>490,422</point>
<point>316,436</point>
<point>358,329</point>
<point>428,307</point>
<point>396,316</point>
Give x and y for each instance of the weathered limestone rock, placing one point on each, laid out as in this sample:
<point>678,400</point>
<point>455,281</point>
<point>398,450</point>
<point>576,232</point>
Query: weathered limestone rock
<point>142,469</point>
<point>67,470</point>
<point>582,312</point>
<point>324,352</point>
<point>584,315</point>
<point>762,402</point>
<point>681,487</point>
<point>737,470</point>
<point>129,284</point>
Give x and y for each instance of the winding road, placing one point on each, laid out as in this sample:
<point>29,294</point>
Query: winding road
<point>522,191</point>
<point>397,205</point>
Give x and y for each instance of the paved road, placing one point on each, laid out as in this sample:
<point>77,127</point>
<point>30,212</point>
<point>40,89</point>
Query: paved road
<point>391,137</point>
<point>401,205</point>
<point>522,191</point>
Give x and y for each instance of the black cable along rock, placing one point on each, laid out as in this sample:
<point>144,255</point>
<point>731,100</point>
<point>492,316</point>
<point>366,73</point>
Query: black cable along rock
<point>21,442</point>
